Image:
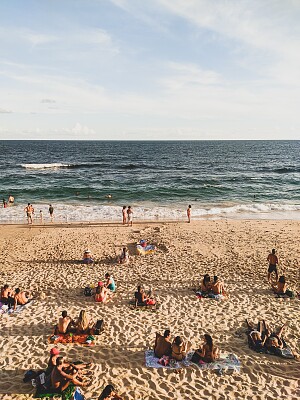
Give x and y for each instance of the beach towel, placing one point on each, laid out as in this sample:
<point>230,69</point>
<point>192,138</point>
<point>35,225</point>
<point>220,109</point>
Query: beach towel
<point>150,248</point>
<point>285,352</point>
<point>4,308</point>
<point>153,362</point>
<point>69,393</point>
<point>217,297</point>
<point>144,307</point>
<point>66,338</point>
<point>226,362</point>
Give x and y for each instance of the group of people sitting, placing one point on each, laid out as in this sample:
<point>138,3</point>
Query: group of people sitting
<point>12,299</point>
<point>104,291</point>
<point>177,349</point>
<point>80,325</point>
<point>209,286</point>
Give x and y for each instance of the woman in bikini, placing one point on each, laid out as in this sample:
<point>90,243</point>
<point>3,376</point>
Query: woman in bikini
<point>207,352</point>
<point>102,294</point>
<point>179,349</point>
<point>280,287</point>
<point>84,324</point>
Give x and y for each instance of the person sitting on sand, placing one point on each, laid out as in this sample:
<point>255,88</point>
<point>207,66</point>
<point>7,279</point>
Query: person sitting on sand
<point>64,323</point>
<point>109,393</point>
<point>84,324</point>
<point>87,257</point>
<point>280,287</point>
<point>7,296</point>
<point>179,349</point>
<point>217,286</point>
<point>140,297</point>
<point>109,282</point>
<point>61,379</point>
<point>21,298</point>
<point>102,294</point>
<point>163,346</point>
<point>206,284</point>
<point>124,257</point>
<point>207,352</point>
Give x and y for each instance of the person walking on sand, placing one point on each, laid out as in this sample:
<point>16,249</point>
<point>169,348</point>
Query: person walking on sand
<point>188,213</point>
<point>273,262</point>
<point>29,213</point>
<point>51,210</point>
<point>124,215</point>
<point>129,215</point>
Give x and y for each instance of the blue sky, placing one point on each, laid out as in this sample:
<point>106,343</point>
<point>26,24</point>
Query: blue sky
<point>149,69</point>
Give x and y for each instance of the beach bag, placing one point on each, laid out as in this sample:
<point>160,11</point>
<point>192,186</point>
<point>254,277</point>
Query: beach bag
<point>29,375</point>
<point>290,293</point>
<point>99,327</point>
<point>88,291</point>
<point>150,302</point>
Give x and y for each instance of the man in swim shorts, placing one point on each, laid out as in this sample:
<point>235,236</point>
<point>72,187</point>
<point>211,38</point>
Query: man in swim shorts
<point>20,298</point>
<point>51,210</point>
<point>29,212</point>
<point>273,262</point>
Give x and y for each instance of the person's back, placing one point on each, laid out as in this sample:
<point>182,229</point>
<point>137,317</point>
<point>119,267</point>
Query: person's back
<point>63,322</point>
<point>162,345</point>
<point>217,286</point>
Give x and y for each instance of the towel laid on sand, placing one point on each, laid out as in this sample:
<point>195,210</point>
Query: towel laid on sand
<point>65,338</point>
<point>227,361</point>
<point>4,309</point>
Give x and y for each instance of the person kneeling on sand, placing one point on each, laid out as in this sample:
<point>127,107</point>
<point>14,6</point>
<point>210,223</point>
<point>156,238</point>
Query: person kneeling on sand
<point>84,324</point>
<point>65,323</point>
<point>207,351</point>
<point>179,349</point>
<point>61,377</point>
<point>87,257</point>
<point>280,287</point>
<point>109,393</point>
<point>21,298</point>
<point>124,257</point>
<point>102,294</point>
<point>163,346</point>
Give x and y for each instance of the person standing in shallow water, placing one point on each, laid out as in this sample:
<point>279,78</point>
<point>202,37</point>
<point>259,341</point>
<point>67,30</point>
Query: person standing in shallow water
<point>51,210</point>
<point>129,215</point>
<point>188,213</point>
<point>124,215</point>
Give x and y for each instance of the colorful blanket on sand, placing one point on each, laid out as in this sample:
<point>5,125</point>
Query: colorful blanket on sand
<point>4,308</point>
<point>217,297</point>
<point>227,361</point>
<point>65,338</point>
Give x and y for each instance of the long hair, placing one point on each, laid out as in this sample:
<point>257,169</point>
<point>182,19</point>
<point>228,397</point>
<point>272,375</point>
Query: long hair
<point>209,341</point>
<point>107,391</point>
<point>83,321</point>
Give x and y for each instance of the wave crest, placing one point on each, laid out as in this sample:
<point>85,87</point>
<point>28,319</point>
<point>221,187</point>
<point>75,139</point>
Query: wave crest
<point>46,166</point>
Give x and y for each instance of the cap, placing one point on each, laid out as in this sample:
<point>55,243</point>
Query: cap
<point>100,283</point>
<point>54,351</point>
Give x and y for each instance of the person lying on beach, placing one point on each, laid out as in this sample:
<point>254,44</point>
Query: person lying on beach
<point>163,346</point>
<point>207,351</point>
<point>61,378</point>
<point>179,349</point>
<point>87,257</point>
<point>206,284</point>
<point>110,283</point>
<point>21,298</point>
<point>7,296</point>
<point>84,324</point>
<point>102,294</point>
<point>257,335</point>
<point>124,257</point>
<point>109,393</point>
<point>280,287</point>
<point>217,286</point>
<point>65,323</point>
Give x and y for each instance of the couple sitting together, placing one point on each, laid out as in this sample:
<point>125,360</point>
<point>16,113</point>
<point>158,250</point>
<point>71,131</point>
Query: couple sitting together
<point>143,299</point>
<point>11,299</point>
<point>209,287</point>
<point>105,290</point>
<point>81,325</point>
<point>164,347</point>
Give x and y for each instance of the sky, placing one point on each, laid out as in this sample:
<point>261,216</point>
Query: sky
<point>149,69</point>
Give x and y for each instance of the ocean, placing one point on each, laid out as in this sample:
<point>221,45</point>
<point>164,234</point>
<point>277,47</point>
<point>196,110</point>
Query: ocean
<point>159,179</point>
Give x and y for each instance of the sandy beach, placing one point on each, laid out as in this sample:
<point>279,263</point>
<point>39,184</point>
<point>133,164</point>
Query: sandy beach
<point>45,259</point>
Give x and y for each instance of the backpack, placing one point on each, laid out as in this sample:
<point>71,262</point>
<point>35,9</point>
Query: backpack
<point>88,291</point>
<point>99,327</point>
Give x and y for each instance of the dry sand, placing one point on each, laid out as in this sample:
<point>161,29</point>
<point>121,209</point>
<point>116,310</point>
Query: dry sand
<point>43,259</point>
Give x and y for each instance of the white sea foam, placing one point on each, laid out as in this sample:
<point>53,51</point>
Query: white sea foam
<point>45,166</point>
<point>145,212</point>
